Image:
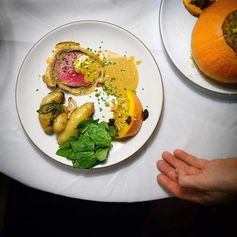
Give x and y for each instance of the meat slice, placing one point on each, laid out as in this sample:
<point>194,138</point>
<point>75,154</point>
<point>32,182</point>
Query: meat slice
<point>63,69</point>
<point>73,69</point>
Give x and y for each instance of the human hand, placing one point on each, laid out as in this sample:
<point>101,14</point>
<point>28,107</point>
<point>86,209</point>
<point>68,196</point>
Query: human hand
<point>198,180</point>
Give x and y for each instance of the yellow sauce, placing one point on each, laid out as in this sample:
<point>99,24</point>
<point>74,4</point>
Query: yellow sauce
<point>87,66</point>
<point>120,73</point>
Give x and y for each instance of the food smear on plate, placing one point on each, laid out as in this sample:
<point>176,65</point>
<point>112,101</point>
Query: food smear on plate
<point>121,80</point>
<point>214,42</point>
<point>120,73</point>
<point>90,75</point>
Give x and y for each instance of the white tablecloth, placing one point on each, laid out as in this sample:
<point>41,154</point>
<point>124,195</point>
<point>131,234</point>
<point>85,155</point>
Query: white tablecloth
<point>202,124</point>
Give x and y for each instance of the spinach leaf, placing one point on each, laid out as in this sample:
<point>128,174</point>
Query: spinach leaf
<point>66,151</point>
<point>82,126</point>
<point>84,143</point>
<point>112,131</point>
<point>101,153</point>
<point>91,146</point>
<point>104,125</point>
<point>85,160</point>
<point>98,135</point>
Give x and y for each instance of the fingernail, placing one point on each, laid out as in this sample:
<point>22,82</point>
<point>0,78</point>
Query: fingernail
<point>165,153</point>
<point>158,163</point>
<point>177,151</point>
<point>160,177</point>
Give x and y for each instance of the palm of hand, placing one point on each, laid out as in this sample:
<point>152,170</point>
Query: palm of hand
<point>193,179</point>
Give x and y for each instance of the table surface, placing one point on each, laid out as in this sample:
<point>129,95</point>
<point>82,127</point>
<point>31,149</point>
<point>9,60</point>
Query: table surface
<point>201,123</point>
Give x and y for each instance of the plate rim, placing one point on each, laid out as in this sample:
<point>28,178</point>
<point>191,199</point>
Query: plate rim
<point>120,28</point>
<point>193,83</point>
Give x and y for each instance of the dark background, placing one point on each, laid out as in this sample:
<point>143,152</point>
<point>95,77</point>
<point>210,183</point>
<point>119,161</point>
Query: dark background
<point>29,212</point>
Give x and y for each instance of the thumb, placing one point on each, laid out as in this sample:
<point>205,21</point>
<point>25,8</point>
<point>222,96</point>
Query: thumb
<point>189,181</point>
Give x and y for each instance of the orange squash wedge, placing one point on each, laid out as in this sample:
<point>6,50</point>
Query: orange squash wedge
<point>211,50</point>
<point>128,115</point>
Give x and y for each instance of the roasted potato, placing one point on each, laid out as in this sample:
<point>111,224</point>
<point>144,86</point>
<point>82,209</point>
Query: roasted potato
<point>50,107</point>
<point>60,122</point>
<point>54,96</point>
<point>45,122</point>
<point>79,114</point>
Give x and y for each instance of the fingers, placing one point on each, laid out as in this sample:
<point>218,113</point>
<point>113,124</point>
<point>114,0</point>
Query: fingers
<point>176,190</point>
<point>177,163</point>
<point>180,172</point>
<point>168,170</point>
<point>182,175</point>
<point>167,183</point>
<point>190,159</point>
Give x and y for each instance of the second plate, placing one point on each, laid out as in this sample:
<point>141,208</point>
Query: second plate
<point>176,25</point>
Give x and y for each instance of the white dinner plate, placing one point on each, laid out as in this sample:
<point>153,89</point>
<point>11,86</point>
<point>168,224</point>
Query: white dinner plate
<point>176,25</point>
<point>30,89</point>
